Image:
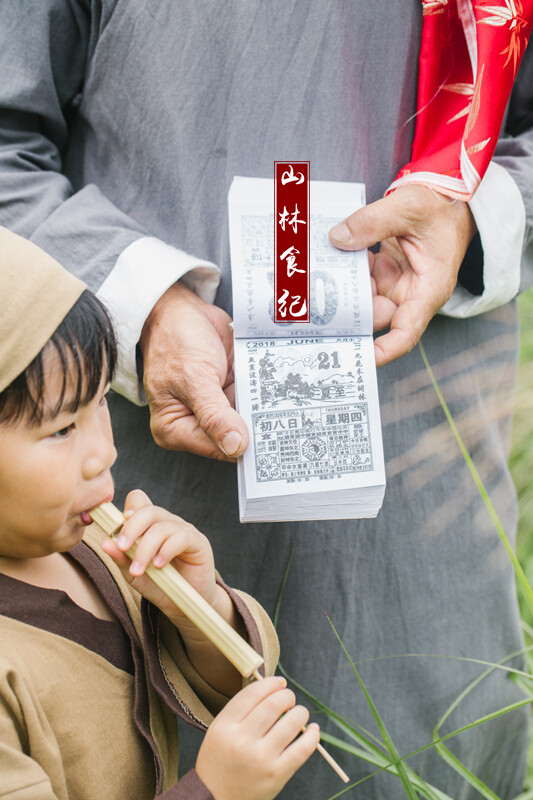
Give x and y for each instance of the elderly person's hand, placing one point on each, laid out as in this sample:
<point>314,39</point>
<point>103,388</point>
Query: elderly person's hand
<point>187,345</point>
<point>187,348</point>
<point>424,237</point>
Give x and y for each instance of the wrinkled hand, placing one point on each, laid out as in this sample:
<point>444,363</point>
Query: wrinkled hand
<point>187,348</point>
<point>250,749</point>
<point>424,237</point>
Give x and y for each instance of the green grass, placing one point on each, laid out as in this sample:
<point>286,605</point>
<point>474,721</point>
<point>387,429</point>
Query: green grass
<point>521,460</point>
<point>383,753</point>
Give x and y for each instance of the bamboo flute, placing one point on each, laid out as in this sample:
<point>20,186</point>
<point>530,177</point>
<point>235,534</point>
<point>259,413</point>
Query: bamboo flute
<point>189,601</point>
<point>243,657</point>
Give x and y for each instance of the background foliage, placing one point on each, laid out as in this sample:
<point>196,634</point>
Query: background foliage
<point>521,460</point>
<point>383,754</point>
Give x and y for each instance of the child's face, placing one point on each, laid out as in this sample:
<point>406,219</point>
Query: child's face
<point>53,472</point>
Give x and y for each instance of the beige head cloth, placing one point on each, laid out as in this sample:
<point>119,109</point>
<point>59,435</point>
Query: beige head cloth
<point>36,294</point>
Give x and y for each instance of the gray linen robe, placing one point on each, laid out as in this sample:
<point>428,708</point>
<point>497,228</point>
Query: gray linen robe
<point>125,118</point>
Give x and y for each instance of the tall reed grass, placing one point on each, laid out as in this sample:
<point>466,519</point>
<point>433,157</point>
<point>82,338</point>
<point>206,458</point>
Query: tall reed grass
<point>521,461</point>
<point>381,752</point>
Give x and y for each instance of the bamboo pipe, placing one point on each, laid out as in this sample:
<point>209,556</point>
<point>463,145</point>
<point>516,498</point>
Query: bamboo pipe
<point>188,600</point>
<point>243,657</point>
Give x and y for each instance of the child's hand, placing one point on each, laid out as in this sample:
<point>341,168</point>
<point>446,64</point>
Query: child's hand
<point>164,538</point>
<point>249,752</point>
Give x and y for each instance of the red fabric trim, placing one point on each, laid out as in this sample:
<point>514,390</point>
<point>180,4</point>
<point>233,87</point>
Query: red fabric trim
<point>469,56</point>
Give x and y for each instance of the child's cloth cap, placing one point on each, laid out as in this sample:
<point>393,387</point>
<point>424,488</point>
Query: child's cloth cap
<point>36,295</point>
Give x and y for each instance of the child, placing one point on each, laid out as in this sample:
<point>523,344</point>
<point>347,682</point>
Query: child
<point>91,673</point>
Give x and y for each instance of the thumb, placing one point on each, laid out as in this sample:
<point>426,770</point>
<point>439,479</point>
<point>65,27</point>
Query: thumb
<point>135,500</point>
<point>213,421</point>
<point>224,426</point>
<point>371,224</point>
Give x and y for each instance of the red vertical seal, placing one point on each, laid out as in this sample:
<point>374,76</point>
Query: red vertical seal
<point>291,241</point>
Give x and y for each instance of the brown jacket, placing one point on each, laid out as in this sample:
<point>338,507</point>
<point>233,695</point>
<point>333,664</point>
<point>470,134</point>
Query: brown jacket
<point>75,727</point>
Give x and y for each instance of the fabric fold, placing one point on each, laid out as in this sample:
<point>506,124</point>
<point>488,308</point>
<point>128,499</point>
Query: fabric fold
<point>469,57</point>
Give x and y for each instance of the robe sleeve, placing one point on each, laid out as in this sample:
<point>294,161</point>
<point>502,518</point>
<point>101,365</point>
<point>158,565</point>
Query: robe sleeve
<point>499,262</point>
<point>190,787</point>
<point>23,777</point>
<point>173,675</point>
<point>45,47</point>
<point>515,154</point>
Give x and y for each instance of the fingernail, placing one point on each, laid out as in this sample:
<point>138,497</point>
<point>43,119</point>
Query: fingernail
<point>122,541</point>
<point>231,443</point>
<point>341,233</point>
<point>282,681</point>
<point>158,561</point>
<point>314,725</point>
<point>135,568</point>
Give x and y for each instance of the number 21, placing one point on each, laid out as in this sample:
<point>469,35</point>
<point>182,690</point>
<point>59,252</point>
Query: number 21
<point>323,360</point>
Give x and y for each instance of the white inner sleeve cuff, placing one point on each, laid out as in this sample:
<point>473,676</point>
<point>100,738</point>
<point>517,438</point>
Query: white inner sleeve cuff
<point>500,217</point>
<point>143,272</point>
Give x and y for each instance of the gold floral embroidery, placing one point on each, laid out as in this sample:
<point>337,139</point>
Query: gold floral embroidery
<point>475,148</point>
<point>476,102</point>
<point>433,7</point>
<point>509,13</point>
<point>466,89</point>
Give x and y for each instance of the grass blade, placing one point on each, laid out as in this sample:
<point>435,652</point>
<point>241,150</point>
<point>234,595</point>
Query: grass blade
<point>523,684</point>
<point>370,753</point>
<point>491,668</point>
<point>519,572</point>
<point>367,751</point>
<point>481,661</point>
<point>429,791</point>
<point>364,738</point>
<point>527,795</point>
<point>282,587</point>
<point>335,717</point>
<point>393,753</point>
<point>465,773</point>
